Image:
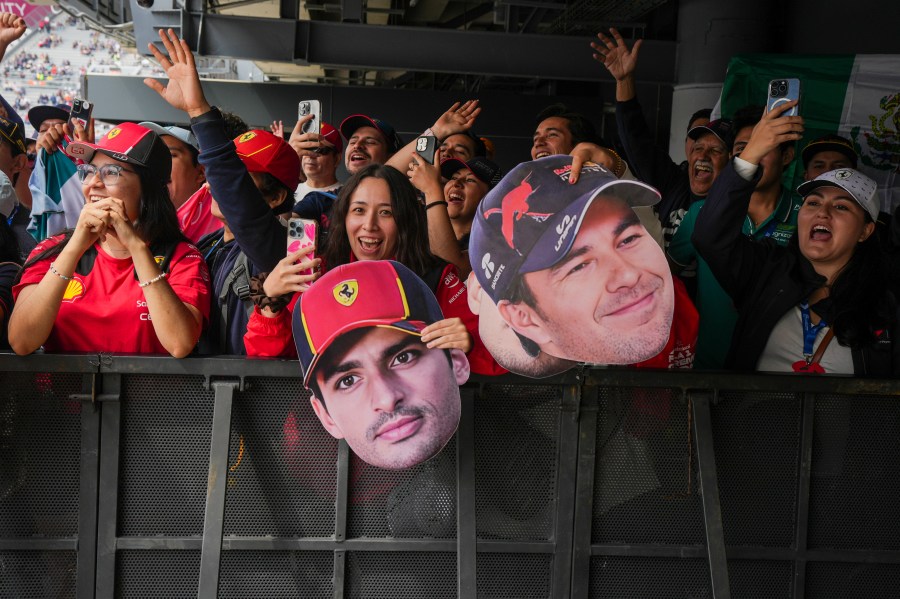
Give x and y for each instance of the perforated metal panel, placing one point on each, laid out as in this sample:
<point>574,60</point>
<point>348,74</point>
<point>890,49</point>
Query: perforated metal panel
<point>400,575</point>
<point>757,442</point>
<point>37,574</point>
<point>645,477</point>
<point>514,576</point>
<point>282,464</point>
<point>164,463</point>
<point>851,581</point>
<point>856,474</point>
<point>648,578</point>
<point>40,441</point>
<point>157,574</point>
<point>306,574</point>
<point>414,503</point>
<point>755,579</point>
<point>516,455</point>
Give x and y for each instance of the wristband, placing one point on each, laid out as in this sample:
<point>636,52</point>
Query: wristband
<point>261,300</point>
<point>158,277</point>
<point>433,204</point>
<point>59,274</point>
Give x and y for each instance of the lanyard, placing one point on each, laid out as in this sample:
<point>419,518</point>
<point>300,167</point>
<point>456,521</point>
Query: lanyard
<point>810,331</point>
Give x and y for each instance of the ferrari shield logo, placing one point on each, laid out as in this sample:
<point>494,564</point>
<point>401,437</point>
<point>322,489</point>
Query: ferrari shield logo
<point>345,292</point>
<point>113,133</point>
<point>246,137</point>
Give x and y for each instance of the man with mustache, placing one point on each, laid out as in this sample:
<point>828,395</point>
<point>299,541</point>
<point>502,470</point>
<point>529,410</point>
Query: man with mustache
<point>708,153</point>
<point>574,273</point>
<point>374,382</point>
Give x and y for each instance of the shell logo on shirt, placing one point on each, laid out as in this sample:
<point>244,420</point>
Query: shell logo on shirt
<point>74,290</point>
<point>159,259</point>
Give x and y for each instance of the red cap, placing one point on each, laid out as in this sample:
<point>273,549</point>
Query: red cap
<point>332,136</point>
<point>263,152</point>
<point>131,143</point>
<point>361,294</point>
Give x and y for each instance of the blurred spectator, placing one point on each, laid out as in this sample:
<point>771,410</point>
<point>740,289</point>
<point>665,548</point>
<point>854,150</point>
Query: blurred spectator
<point>369,141</point>
<point>559,130</point>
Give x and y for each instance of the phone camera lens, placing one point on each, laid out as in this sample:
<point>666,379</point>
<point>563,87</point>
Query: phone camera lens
<point>782,88</point>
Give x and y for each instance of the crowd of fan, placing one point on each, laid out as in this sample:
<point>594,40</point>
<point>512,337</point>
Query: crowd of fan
<point>180,245</point>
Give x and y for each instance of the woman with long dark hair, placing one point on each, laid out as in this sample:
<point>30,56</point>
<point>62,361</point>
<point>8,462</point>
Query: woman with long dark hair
<point>820,304</point>
<point>125,279</point>
<point>376,217</point>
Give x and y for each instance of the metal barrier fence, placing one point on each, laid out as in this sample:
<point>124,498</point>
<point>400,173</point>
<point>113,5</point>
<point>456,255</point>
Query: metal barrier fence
<point>153,477</point>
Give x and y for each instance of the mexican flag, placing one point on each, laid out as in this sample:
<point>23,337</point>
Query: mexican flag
<point>56,198</point>
<point>857,97</point>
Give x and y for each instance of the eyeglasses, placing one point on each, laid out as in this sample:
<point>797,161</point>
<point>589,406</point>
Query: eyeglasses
<point>324,150</point>
<point>109,173</point>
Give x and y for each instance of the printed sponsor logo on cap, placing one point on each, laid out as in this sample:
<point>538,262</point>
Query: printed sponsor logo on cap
<point>246,137</point>
<point>514,207</point>
<point>113,133</point>
<point>346,292</point>
<point>563,230</point>
<point>75,150</point>
<point>488,266</point>
<point>118,156</point>
<point>843,174</point>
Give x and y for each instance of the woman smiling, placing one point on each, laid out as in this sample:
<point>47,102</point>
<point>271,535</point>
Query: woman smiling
<point>125,280</point>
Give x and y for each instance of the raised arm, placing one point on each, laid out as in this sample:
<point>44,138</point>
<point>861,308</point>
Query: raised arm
<point>459,118</point>
<point>254,225</point>
<point>11,29</point>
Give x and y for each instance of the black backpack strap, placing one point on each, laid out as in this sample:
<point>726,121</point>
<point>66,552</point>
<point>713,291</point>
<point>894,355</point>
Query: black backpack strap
<point>86,262</point>
<point>434,276</point>
<point>237,282</point>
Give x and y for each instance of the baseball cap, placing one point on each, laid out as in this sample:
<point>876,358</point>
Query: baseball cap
<point>332,136</point>
<point>487,171</point>
<point>131,143</point>
<point>263,152</point>
<point>179,133</point>
<point>39,114</point>
<point>721,128</point>
<point>529,221</point>
<point>12,131</point>
<point>860,187</point>
<point>353,122</point>
<point>367,293</point>
<point>834,143</point>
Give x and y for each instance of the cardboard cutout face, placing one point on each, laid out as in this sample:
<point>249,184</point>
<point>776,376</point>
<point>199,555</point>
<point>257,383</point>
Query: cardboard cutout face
<point>570,269</point>
<point>375,384</point>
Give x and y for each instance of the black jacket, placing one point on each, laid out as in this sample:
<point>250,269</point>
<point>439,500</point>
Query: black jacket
<point>766,280</point>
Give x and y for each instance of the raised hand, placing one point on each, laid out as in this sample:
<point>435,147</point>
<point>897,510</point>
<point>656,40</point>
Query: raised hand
<point>305,144</point>
<point>277,128</point>
<point>11,29</point>
<point>422,174</point>
<point>286,277</point>
<point>459,118</point>
<point>183,90</point>
<point>772,130</point>
<point>615,55</point>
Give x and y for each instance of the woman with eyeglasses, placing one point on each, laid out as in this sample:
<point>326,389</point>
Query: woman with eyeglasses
<point>125,280</point>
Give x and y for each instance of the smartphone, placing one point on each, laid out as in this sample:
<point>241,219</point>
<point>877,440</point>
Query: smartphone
<point>301,234</point>
<point>306,108</point>
<point>781,91</point>
<point>425,147</point>
<point>81,112</point>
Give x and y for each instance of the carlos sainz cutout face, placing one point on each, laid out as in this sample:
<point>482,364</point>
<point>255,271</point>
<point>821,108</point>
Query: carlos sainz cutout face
<point>395,401</point>
<point>610,300</point>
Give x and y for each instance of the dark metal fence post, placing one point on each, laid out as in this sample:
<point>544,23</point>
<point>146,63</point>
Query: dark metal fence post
<point>709,486</point>
<point>108,494</point>
<point>466,528</point>
<point>567,465</point>
<point>584,493</point>
<point>87,508</point>
<point>214,519</point>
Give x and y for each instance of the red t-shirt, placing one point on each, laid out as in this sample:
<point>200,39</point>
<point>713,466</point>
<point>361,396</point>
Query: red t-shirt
<point>105,310</point>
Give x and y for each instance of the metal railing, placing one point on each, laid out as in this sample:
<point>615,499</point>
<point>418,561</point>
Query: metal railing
<point>135,476</point>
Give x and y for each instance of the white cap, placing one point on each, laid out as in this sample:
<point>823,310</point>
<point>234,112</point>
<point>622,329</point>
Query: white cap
<point>8,199</point>
<point>860,187</point>
<point>183,135</point>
